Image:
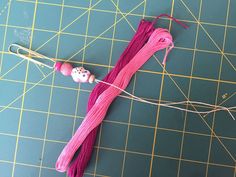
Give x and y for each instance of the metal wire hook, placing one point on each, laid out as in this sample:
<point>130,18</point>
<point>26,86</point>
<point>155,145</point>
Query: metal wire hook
<point>30,55</point>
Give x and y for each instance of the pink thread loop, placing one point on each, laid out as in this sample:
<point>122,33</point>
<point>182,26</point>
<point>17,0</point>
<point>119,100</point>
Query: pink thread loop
<point>172,18</point>
<point>164,41</point>
<point>167,52</point>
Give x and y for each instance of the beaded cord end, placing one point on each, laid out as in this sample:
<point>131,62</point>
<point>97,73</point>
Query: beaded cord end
<point>78,74</point>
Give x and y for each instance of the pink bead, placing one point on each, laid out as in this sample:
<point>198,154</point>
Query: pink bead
<point>57,66</point>
<point>66,69</point>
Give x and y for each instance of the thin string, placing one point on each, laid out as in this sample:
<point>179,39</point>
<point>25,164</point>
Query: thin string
<point>170,104</point>
<point>172,18</point>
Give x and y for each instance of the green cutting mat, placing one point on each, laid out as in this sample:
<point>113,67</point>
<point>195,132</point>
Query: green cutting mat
<point>39,111</point>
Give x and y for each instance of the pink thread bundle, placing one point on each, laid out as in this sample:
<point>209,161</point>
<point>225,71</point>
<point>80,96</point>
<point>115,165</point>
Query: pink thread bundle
<point>144,31</point>
<point>160,39</point>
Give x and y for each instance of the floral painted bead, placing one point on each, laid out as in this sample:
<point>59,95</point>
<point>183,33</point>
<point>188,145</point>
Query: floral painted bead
<point>79,74</point>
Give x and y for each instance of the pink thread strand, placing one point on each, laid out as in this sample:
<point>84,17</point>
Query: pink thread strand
<point>141,36</point>
<point>160,39</point>
<point>172,18</point>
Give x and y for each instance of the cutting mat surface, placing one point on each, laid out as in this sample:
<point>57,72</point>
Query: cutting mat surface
<point>40,110</point>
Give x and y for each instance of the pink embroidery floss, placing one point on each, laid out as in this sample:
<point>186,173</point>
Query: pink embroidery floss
<point>160,39</point>
<point>141,36</point>
<point>143,32</point>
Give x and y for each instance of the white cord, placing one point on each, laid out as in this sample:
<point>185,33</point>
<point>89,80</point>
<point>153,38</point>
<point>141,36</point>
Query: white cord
<point>215,108</point>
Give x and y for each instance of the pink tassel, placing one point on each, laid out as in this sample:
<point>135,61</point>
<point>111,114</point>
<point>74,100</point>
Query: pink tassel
<point>160,39</point>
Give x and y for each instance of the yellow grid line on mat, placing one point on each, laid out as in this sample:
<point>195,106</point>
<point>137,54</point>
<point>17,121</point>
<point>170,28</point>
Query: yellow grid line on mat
<point>217,46</point>
<point>107,38</point>
<point>44,167</point>
<point>82,63</point>
<point>24,89</point>
<point>5,35</point>
<point>51,93</point>
<point>10,70</point>
<point>136,153</point>
<point>99,136</point>
<point>108,121</point>
<point>160,98</point>
<point>103,32</point>
<point>131,102</point>
<point>218,88</point>
<point>132,152</point>
<point>80,16</point>
<point>124,14</point>
<point>229,97</point>
<point>47,42</point>
<point>132,14</point>
<point>166,157</point>
<point>128,126</point>
<point>212,131</point>
<point>189,91</point>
